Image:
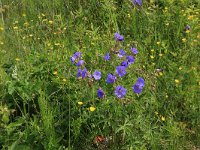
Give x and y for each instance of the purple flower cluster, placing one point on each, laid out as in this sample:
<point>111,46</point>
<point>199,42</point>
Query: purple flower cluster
<point>137,2</point>
<point>120,70</point>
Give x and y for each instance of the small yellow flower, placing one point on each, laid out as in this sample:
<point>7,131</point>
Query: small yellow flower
<point>153,64</point>
<point>152,50</point>
<point>190,17</point>
<point>166,96</point>
<point>64,80</point>
<point>50,22</point>
<point>80,103</point>
<point>26,24</point>
<point>156,112</point>
<point>152,57</point>
<point>15,28</point>
<point>43,15</point>
<point>57,44</point>
<point>188,31</point>
<point>1,28</point>
<point>199,82</point>
<point>160,73</point>
<point>31,35</point>
<point>162,118</point>
<point>92,108</point>
<point>180,68</point>
<point>55,72</point>
<point>167,24</point>
<point>184,40</point>
<point>17,59</point>
<point>177,81</point>
<point>1,43</point>
<point>160,54</point>
<point>129,15</point>
<point>24,15</point>
<point>158,43</point>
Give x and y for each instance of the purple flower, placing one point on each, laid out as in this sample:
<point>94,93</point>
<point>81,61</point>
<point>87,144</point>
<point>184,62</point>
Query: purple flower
<point>84,73</point>
<point>137,2</point>
<point>121,53</point>
<point>138,87</point>
<point>80,63</point>
<point>107,57</point>
<point>97,75</point>
<point>111,78</point>
<point>79,73</point>
<point>100,93</point>
<point>124,63</point>
<point>118,37</point>
<point>75,56</point>
<point>120,91</point>
<point>134,50</point>
<point>187,27</point>
<point>130,59</point>
<point>121,71</point>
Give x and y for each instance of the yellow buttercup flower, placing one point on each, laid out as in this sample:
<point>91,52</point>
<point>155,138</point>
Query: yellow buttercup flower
<point>64,80</point>
<point>92,108</point>
<point>17,59</point>
<point>163,118</point>
<point>55,72</point>
<point>158,43</point>
<point>80,103</point>
<point>184,40</point>
<point>177,81</point>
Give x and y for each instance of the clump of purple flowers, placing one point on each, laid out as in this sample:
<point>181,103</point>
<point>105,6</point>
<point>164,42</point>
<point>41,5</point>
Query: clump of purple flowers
<point>120,70</point>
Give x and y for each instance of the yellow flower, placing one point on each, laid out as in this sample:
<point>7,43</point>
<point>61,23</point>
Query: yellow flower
<point>166,96</point>
<point>17,59</point>
<point>129,15</point>
<point>184,40</point>
<point>190,17</point>
<point>1,28</point>
<point>152,57</point>
<point>160,73</point>
<point>31,35</point>
<point>80,103</point>
<point>180,68</point>
<point>50,22</point>
<point>177,81</point>
<point>188,31</point>
<point>26,24</point>
<point>167,24</point>
<point>24,15</point>
<point>64,80</point>
<point>15,28</point>
<point>55,72</point>
<point>92,108</point>
<point>162,118</point>
<point>156,112</point>
<point>152,50</point>
<point>160,55</point>
<point>158,43</point>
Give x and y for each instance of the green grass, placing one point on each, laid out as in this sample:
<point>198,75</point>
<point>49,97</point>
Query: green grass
<point>39,91</point>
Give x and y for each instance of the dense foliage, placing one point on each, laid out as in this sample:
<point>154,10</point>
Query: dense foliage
<point>99,74</point>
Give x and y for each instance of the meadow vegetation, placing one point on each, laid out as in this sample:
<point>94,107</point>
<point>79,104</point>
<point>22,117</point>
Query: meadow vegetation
<point>99,74</point>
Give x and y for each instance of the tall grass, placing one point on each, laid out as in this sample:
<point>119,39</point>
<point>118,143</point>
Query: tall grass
<point>39,91</point>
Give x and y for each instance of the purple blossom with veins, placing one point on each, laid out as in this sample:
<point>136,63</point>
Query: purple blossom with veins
<point>124,63</point>
<point>97,75</point>
<point>118,37</point>
<point>137,2</point>
<point>107,57</point>
<point>111,78</point>
<point>80,63</point>
<point>138,86</point>
<point>100,93</point>
<point>121,53</point>
<point>130,59</point>
<point>79,73</point>
<point>120,91</point>
<point>121,71</point>
<point>134,50</point>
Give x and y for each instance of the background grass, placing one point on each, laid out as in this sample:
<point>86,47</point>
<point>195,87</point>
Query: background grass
<point>39,91</point>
